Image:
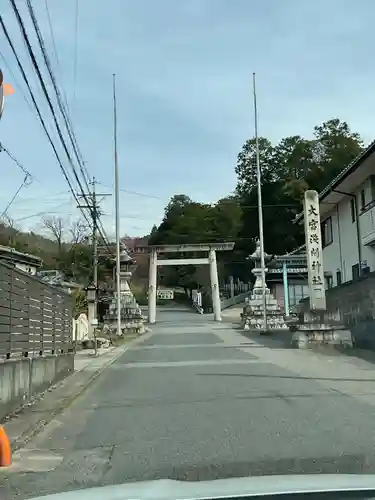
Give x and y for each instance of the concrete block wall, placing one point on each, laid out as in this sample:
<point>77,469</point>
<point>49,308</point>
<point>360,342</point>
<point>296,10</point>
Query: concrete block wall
<point>22,379</point>
<point>353,304</point>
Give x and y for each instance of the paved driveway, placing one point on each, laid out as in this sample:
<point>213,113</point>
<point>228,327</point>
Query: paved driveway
<point>197,400</point>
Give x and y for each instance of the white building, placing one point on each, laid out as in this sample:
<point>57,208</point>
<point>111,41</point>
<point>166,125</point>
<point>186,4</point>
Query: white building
<point>347,212</point>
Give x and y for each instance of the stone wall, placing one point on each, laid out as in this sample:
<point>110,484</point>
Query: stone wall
<point>24,378</point>
<point>353,304</point>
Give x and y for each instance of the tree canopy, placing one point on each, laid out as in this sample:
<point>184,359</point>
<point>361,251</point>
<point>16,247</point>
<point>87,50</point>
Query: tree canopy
<point>289,167</point>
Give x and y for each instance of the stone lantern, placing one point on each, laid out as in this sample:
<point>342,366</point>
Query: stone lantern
<point>253,313</point>
<point>257,270</point>
<point>126,264</point>
<point>131,315</point>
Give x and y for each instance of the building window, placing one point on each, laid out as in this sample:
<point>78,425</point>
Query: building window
<point>327,236</point>
<point>296,293</point>
<point>352,209</point>
<point>338,277</point>
<point>363,199</point>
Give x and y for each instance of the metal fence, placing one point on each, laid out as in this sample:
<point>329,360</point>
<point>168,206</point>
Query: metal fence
<point>35,318</point>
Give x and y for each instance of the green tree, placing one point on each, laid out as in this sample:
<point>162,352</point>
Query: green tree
<point>186,221</point>
<point>288,169</point>
<point>335,146</point>
<point>246,165</point>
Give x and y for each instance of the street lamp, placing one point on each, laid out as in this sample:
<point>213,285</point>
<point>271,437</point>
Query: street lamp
<point>91,291</point>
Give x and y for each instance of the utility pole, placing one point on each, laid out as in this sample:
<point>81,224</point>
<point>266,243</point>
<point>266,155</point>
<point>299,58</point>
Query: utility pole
<point>117,207</point>
<point>95,237</point>
<point>260,208</point>
<point>93,206</point>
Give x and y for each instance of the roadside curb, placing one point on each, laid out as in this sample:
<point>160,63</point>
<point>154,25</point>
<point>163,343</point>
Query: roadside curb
<point>33,419</point>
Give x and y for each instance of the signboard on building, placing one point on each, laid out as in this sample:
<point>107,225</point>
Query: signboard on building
<point>197,297</point>
<point>291,270</point>
<point>165,294</point>
<point>314,251</point>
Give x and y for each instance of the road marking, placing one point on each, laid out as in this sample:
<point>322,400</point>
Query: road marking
<point>176,364</point>
<point>34,461</point>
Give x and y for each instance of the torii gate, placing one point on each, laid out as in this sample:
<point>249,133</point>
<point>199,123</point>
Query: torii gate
<point>210,248</point>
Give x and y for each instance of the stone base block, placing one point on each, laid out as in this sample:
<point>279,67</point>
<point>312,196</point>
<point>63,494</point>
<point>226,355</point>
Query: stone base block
<point>304,339</point>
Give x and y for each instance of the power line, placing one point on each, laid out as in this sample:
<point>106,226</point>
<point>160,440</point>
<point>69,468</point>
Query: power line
<point>36,67</point>
<point>51,198</point>
<point>132,192</point>
<point>23,183</point>
<point>54,48</point>
<point>19,165</point>
<point>51,33</point>
<point>37,109</point>
<point>43,212</point>
<point>95,208</point>
<point>75,51</point>
<point>61,106</point>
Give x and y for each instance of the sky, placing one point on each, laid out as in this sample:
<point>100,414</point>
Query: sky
<point>184,94</point>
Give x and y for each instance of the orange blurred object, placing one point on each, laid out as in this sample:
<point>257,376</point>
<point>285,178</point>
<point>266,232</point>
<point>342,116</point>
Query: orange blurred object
<point>5,449</point>
<point>8,89</point>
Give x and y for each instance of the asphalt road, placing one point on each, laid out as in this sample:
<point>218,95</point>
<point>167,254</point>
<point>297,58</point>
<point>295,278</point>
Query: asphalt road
<point>197,400</point>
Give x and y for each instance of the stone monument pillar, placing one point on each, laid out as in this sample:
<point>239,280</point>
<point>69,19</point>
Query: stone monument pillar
<point>314,252</point>
<point>215,292</point>
<point>152,287</point>
<point>317,327</point>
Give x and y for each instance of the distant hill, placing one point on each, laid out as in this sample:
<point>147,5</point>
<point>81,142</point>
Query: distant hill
<point>52,254</point>
<point>29,242</point>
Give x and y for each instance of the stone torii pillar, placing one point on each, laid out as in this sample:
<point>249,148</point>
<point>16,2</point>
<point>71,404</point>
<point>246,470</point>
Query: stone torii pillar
<point>152,286</point>
<point>215,292</point>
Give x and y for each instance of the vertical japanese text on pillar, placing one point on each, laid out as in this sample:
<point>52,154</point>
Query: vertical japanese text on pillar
<point>314,251</point>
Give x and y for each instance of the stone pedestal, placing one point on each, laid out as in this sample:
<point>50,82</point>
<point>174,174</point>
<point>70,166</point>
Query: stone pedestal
<point>91,315</point>
<point>319,329</point>
<point>131,314</point>
<point>253,313</point>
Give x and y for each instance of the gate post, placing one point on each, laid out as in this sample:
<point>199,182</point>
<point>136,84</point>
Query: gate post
<point>152,285</point>
<point>215,292</point>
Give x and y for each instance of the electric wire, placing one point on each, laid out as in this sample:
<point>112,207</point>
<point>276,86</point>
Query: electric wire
<point>36,67</point>
<point>19,165</point>
<point>61,104</point>
<point>13,199</point>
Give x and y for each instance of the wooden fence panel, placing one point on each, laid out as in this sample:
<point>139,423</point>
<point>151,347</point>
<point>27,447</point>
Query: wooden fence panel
<point>35,318</point>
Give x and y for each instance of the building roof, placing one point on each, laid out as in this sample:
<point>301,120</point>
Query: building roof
<point>56,278</point>
<point>298,250</point>
<point>344,174</point>
<point>9,253</point>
